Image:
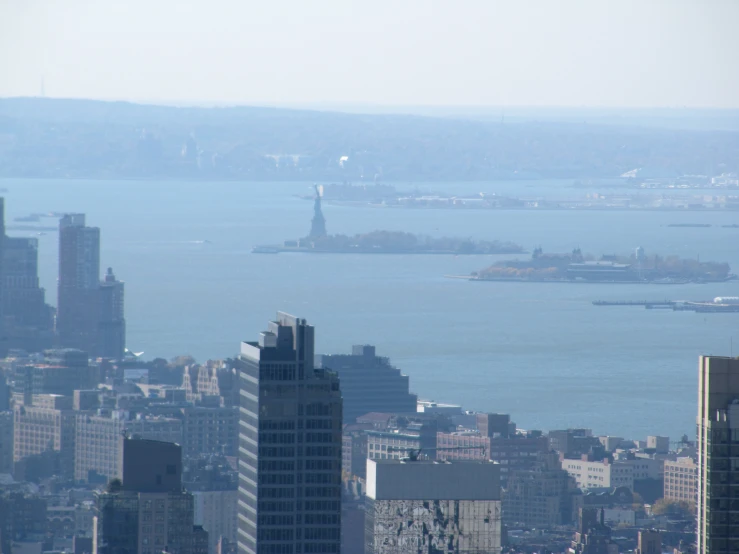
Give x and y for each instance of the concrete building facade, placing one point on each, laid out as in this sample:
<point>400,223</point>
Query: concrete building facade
<point>718,455</point>
<point>426,506</point>
<point>208,430</point>
<point>99,440</point>
<point>46,425</point>
<point>289,445</point>
<point>681,480</point>
<point>600,474</point>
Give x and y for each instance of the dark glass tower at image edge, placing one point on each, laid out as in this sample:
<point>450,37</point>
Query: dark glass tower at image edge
<point>289,445</point>
<point>718,455</point>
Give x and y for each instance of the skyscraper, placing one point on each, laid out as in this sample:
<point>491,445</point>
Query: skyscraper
<point>718,455</point>
<point>112,325</point>
<point>290,445</point>
<point>79,275</point>
<point>24,314</point>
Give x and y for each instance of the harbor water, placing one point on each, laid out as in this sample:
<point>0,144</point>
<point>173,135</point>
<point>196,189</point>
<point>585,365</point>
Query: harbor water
<point>540,351</point>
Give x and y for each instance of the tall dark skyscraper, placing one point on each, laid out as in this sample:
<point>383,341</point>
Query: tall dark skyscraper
<point>112,325</point>
<point>718,455</point>
<point>3,338</point>
<point>79,283</point>
<point>26,318</point>
<point>290,445</point>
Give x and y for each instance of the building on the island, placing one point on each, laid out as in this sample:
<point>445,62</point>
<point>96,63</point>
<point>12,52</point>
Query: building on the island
<point>718,443</point>
<point>78,312</point>
<point>148,511</point>
<point>100,437</point>
<point>600,473</point>
<point>428,506</point>
<point>111,340</point>
<point>290,445</point>
<point>543,497</point>
<point>46,426</point>
<point>369,383</point>
<point>681,480</point>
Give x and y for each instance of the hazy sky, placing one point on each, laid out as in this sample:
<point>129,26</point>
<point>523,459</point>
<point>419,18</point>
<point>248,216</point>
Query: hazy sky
<point>381,52</point>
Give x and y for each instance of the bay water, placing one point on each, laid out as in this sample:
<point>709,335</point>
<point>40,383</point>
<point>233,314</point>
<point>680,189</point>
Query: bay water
<point>539,351</point>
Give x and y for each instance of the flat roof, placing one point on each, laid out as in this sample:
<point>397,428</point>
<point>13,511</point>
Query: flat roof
<point>432,480</point>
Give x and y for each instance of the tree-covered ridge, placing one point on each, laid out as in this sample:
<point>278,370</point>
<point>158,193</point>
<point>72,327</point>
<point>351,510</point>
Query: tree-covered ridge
<point>112,140</point>
<point>398,241</point>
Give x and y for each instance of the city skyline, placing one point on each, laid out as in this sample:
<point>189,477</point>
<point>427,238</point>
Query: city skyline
<point>343,277</point>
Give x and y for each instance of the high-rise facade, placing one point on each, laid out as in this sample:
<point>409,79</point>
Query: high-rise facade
<point>425,506</point>
<point>24,301</point>
<point>27,319</point>
<point>289,445</point>
<point>370,383</point>
<point>718,455</point>
<point>112,324</point>
<point>78,311</point>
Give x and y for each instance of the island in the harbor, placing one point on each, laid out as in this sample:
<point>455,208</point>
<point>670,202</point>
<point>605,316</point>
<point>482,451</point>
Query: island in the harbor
<point>319,241</point>
<point>577,267</point>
